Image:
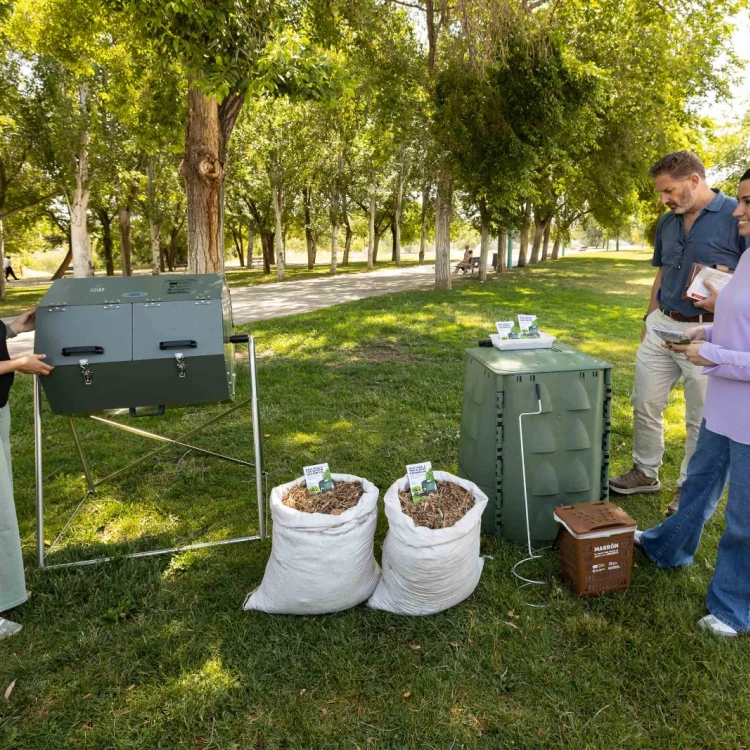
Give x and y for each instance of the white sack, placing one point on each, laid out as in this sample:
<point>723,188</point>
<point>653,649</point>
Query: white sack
<point>428,570</point>
<point>319,563</point>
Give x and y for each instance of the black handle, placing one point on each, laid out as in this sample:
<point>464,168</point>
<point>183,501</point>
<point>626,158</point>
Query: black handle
<point>538,392</point>
<point>69,351</point>
<point>485,342</point>
<point>159,411</point>
<point>181,344</point>
<point>239,338</point>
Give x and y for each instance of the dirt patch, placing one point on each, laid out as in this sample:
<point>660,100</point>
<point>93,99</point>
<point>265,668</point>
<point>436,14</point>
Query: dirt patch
<point>452,504</point>
<point>343,496</point>
<point>376,354</point>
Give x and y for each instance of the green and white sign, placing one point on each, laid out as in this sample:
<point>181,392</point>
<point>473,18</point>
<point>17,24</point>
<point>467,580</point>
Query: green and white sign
<point>529,326</point>
<point>422,482</point>
<point>318,478</point>
<point>505,329</point>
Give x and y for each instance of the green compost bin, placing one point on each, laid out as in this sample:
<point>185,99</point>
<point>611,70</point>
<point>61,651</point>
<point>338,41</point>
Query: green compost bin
<point>566,446</point>
<point>134,341</point>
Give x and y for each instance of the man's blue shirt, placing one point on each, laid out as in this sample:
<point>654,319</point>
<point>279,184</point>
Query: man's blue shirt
<point>714,239</point>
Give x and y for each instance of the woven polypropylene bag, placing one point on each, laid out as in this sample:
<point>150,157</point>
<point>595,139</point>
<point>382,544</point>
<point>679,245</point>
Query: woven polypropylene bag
<point>319,562</point>
<point>428,570</point>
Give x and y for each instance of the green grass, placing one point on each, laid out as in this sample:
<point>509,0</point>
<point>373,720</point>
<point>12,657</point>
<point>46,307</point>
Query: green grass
<point>20,298</point>
<point>158,653</point>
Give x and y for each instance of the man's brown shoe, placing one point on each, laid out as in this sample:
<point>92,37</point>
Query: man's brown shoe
<point>632,482</point>
<point>675,504</point>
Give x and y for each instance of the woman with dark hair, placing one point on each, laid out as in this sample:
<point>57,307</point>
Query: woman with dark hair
<point>12,581</point>
<point>722,453</point>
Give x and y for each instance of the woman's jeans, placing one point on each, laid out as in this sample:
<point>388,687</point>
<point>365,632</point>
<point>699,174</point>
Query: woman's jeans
<point>674,541</point>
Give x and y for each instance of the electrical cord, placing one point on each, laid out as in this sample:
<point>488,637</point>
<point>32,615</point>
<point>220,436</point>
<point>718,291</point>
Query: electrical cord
<point>533,554</point>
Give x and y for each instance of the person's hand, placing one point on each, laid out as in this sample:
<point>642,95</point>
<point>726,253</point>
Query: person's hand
<point>24,322</point>
<point>32,364</point>
<point>696,334</point>
<point>692,352</point>
<point>709,304</point>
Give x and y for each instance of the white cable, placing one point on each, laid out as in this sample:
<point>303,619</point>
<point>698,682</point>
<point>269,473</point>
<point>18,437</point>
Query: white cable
<point>532,554</point>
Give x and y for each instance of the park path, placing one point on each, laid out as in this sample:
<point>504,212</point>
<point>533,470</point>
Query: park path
<point>274,300</point>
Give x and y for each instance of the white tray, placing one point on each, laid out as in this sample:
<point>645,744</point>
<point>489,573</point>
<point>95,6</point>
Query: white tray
<point>544,341</point>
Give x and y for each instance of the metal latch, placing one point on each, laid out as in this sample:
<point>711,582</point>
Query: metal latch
<point>181,364</point>
<point>88,376</point>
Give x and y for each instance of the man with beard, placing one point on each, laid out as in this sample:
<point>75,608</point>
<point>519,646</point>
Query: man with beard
<point>699,228</point>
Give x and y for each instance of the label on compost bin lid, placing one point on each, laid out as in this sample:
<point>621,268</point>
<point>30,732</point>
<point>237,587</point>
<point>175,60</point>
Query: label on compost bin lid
<point>318,478</point>
<point>422,481</point>
<point>505,328</point>
<point>529,327</point>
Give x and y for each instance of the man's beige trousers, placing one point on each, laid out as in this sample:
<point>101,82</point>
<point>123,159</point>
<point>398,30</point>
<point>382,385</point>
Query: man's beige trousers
<point>657,371</point>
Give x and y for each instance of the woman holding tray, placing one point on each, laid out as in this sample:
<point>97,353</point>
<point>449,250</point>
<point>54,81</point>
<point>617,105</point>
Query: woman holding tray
<point>722,453</point>
<point>12,582</point>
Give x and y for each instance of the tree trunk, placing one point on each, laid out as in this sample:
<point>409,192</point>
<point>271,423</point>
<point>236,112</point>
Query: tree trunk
<point>155,230</point>
<point>393,238</point>
<point>443,210</point>
<point>334,247</point>
<point>484,250</point>
<point>556,246</point>
<point>123,213</point>
<point>617,241</point>
<point>2,256</point>
<point>79,233</point>
<point>524,249</point>
<point>375,249</point>
<point>545,241</point>
<point>423,231</point>
<point>162,268</point>
<point>250,244</point>
<point>502,251</point>
<point>63,267</point>
<point>349,233</point>
<point>266,242</point>
<point>279,233</point>
<point>309,239</point>
<point>371,243</point>
<point>106,221</point>
<point>397,219</point>
<point>536,245</point>
<point>203,172</point>
<point>237,238</point>
<point>335,214</point>
<point>172,248</point>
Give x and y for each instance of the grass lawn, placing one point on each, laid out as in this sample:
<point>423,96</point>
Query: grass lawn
<point>158,653</point>
<point>20,298</point>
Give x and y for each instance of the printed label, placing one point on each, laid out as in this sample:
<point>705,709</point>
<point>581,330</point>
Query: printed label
<point>422,481</point>
<point>318,478</point>
<point>505,328</point>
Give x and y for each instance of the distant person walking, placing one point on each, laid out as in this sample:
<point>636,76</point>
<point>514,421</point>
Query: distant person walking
<point>698,228</point>
<point>7,265</point>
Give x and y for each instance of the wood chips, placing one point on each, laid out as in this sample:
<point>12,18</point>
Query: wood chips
<point>343,496</point>
<point>452,505</point>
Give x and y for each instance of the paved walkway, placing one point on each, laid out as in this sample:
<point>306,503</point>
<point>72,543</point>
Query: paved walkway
<point>292,297</point>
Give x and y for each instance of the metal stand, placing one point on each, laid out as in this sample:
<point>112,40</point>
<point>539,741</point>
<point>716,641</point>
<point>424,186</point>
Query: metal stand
<point>260,474</point>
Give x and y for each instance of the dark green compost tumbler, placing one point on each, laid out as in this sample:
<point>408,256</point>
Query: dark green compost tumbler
<point>137,341</point>
<point>566,446</point>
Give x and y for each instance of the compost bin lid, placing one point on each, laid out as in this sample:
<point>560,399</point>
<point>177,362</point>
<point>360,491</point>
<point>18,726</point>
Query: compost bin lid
<point>590,518</point>
<point>558,358</point>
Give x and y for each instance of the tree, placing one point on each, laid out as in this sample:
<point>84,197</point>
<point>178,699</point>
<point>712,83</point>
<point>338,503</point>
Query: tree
<point>23,144</point>
<point>228,50</point>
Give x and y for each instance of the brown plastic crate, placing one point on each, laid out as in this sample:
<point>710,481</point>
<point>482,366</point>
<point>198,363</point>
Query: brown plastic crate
<point>596,547</point>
